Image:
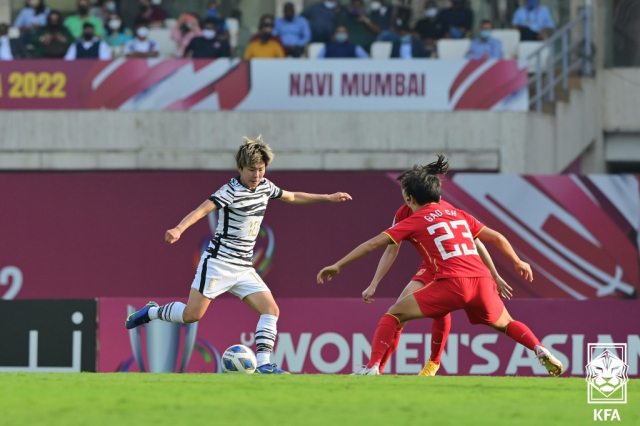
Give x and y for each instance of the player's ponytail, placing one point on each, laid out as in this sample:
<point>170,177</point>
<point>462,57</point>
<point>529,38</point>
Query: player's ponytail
<point>439,167</point>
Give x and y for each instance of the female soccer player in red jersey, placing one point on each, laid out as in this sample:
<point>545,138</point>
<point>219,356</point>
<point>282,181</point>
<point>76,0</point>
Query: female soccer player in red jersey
<point>441,325</point>
<point>444,238</point>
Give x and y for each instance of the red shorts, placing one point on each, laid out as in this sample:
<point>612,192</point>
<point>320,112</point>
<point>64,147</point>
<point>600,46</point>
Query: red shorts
<point>423,275</point>
<point>477,296</point>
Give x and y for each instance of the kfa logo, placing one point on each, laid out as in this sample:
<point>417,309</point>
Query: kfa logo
<point>607,373</point>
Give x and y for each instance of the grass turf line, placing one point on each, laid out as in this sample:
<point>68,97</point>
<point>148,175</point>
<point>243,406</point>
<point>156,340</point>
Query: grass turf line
<point>206,399</point>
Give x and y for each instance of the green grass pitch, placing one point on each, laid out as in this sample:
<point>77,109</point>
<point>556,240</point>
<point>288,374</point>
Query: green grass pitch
<point>214,399</point>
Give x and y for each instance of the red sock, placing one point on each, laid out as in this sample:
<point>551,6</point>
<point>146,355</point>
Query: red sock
<point>522,334</point>
<point>391,350</point>
<point>383,338</point>
<point>439,334</point>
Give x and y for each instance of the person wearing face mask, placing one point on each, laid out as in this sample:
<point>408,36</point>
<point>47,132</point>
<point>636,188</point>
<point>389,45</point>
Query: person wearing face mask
<point>75,23</point>
<point>213,14</point>
<point>457,20</point>
<point>89,46</point>
<point>208,45</point>
<point>264,46</point>
<point>341,47</point>
<point>141,46</point>
<point>116,33</point>
<point>31,17</point>
<point>294,31</point>
<point>430,28</point>
<point>485,47</point>
<point>185,29</point>
<point>362,30</point>
<point>152,11</point>
<point>534,21</point>
<point>407,47</point>
<point>380,14</point>
<point>103,9</point>
<point>10,48</point>
<point>52,40</point>
<point>322,17</point>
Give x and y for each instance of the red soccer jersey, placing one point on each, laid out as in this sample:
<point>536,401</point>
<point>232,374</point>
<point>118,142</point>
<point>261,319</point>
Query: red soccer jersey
<point>443,235</point>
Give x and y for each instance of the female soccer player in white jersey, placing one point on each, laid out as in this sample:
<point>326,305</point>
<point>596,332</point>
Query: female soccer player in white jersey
<point>226,265</point>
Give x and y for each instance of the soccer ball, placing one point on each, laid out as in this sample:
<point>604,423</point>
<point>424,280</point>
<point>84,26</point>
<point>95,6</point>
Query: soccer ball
<point>239,359</point>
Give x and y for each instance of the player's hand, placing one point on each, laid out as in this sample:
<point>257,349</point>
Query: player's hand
<point>504,289</point>
<point>339,197</point>
<point>368,294</point>
<point>524,269</point>
<point>328,272</point>
<point>172,235</point>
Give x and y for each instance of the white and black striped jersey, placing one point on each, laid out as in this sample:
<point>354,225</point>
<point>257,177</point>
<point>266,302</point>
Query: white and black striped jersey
<point>241,213</point>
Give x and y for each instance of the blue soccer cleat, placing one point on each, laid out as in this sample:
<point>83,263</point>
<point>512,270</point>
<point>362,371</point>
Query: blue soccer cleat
<point>270,369</point>
<point>140,317</point>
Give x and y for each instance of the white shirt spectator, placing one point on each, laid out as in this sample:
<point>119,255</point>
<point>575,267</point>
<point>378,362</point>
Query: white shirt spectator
<point>142,46</point>
<point>104,53</point>
<point>5,49</point>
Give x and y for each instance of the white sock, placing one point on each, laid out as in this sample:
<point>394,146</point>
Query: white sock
<point>266,332</point>
<point>153,313</point>
<point>171,312</point>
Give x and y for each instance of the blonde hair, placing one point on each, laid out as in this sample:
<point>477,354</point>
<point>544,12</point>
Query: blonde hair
<point>253,152</point>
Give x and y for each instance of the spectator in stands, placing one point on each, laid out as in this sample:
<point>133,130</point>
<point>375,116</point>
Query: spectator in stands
<point>430,28</point>
<point>380,14</point>
<point>32,16</point>
<point>265,46</point>
<point>52,41</point>
<point>184,31</point>
<point>208,45</point>
<point>485,47</point>
<point>321,17</point>
<point>75,23</point>
<point>10,48</point>
<point>142,46</point>
<point>116,33</point>
<point>222,29</point>
<point>362,30</point>
<point>293,30</point>
<point>407,47</point>
<point>457,20</point>
<point>103,10</point>
<point>89,46</point>
<point>341,47</point>
<point>152,11</point>
<point>533,21</point>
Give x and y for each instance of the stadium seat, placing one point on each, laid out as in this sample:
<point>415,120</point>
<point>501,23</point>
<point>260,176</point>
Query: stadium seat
<point>314,50</point>
<point>163,37</point>
<point>381,50</point>
<point>170,22</point>
<point>510,40</point>
<point>526,48</point>
<point>453,49</point>
<point>234,27</point>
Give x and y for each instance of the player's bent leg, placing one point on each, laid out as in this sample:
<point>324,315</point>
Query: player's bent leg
<point>439,335</point>
<point>196,307</point>
<point>266,331</point>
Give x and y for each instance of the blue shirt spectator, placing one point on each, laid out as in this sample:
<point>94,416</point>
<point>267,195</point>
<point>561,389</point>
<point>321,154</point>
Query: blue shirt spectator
<point>485,47</point>
<point>533,21</point>
<point>321,18</point>
<point>341,47</point>
<point>34,14</point>
<point>294,31</point>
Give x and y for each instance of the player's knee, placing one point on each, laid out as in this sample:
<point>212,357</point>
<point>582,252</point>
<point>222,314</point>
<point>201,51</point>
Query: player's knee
<point>274,310</point>
<point>190,316</point>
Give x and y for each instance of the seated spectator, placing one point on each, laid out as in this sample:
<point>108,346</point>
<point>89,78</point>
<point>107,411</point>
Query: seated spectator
<point>457,20</point>
<point>362,30</point>
<point>53,40</point>
<point>265,46</point>
<point>222,29</point>
<point>32,16</point>
<point>269,20</point>
<point>141,46</point>
<point>184,31</point>
<point>10,48</point>
<point>533,21</point>
<point>208,45</point>
<point>341,47</point>
<point>430,27</point>
<point>407,47</point>
<point>293,30</point>
<point>116,33</point>
<point>89,46</point>
<point>103,10</point>
<point>152,12</point>
<point>485,47</point>
<point>321,17</point>
<point>75,23</point>
<point>380,14</point>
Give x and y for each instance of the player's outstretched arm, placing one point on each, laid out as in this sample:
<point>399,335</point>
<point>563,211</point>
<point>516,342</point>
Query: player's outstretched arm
<point>387,259</point>
<point>173,235</point>
<point>496,238</point>
<point>304,198</point>
<point>504,289</point>
<point>362,250</point>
